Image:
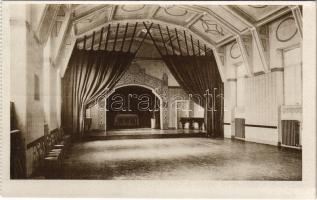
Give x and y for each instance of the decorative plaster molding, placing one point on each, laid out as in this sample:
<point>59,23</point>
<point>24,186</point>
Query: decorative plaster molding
<point>246,58</point>
<point>123,7</point>
<point>212,28</point>
<point>291,112</point>
<point>283,11</point>
<point>168,10</point>
<point>259,49</point>
<point>233,30</point>
<point>298,19</point>
<point>219,64</point>
<point>277,34</point>
<point>91,13</point>
<point>232,48</point>
<point>194,20</point>
<point>47,22</point>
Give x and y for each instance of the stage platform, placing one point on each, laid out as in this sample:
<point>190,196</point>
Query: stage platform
<point>142,133</point>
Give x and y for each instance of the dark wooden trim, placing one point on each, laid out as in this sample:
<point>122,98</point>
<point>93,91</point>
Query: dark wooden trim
<point>154,42</point>
<point>116,37</point>
<point>124,36</point>
<point>40,139</point>
<point>198,47</point>
<point>193,47</point>
<point>107,37</point>
<point>100,39</point>
<point>34,142</point>
<point>84,47</point>
<point>186,43</point>
<point>231,79</point>
<point>279,69</point>
<point>260,126</point>
<point>159,27</point>
<point>258,73</point>
<point>170,39</point>
<point>179,46</point>
<point>146,34</point>
<point>54,130</point>
<point>172,128</point>
<point>92,41</point>
<point>133,34</point>
<point>225,123</point>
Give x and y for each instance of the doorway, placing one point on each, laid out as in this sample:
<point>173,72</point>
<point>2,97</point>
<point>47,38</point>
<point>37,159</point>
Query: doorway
<point>132,107</point>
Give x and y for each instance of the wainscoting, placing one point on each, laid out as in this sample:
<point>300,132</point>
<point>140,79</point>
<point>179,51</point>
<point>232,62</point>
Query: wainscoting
<point>263,135</point>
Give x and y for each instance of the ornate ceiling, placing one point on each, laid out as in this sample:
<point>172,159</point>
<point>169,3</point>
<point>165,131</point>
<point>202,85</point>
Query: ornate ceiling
<point>210,26</point>
<point>215,25</point>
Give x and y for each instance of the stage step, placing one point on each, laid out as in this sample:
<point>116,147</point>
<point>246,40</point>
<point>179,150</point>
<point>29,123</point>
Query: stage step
<point>143,136</point>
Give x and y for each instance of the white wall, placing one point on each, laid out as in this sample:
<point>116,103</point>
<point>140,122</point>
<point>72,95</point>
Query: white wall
<point>31,61</point>
<point>262,94</point>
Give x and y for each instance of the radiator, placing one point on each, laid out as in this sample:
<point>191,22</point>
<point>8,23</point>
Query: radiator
<point>290,132</point>
<point>239,128</point>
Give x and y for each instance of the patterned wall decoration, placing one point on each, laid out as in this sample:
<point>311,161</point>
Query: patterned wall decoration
<point>235,51</point>
<point>284,34</point>
<point>137,76</point>
<point>132,8</point>
<point>212,28</point>
<point>176,12</point>
<point>293,112</point>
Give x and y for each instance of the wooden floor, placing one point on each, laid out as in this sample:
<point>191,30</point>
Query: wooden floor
<point>180,159</point>
<point>143,133</point>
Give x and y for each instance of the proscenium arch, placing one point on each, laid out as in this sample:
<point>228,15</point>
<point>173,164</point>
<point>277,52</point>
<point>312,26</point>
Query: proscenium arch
<point>144,86</point>
<point>209,44</point>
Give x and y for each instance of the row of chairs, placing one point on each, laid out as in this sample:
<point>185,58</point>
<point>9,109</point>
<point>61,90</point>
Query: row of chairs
<point>57,146</point>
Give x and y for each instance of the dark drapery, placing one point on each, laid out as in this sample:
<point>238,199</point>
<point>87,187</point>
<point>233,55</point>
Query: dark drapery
<point>199,76</point>
<point>196,71</point>
<point>90,74</point>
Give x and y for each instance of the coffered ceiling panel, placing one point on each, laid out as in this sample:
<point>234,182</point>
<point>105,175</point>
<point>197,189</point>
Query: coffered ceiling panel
<point>226,17</point>
<point>131,11</point>
<point>90,21</point>
<point>174,14</point>
<point>80,10</point>
<point>258,12</point>
<point>215,24</point>
<point>211,29</point>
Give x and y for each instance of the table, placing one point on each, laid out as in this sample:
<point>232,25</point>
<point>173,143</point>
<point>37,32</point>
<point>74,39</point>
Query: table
<point>191,121</point>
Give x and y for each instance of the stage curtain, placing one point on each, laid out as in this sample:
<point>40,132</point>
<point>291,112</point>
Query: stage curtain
<point>199,76</point>
<point>89,76</point>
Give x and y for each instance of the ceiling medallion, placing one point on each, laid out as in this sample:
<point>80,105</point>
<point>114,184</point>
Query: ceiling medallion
<point>170,10</point>
<point>257,6</point>
<point>289,33</point>
<point>233,51</point>
<point>134,8</point>
<point>212,28</point>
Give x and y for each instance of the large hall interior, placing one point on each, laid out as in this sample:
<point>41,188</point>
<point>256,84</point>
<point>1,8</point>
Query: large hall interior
<point>156,91</point>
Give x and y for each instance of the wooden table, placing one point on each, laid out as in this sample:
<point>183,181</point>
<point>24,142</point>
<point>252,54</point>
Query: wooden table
<point>191,121</point>
<point>126,120</point>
